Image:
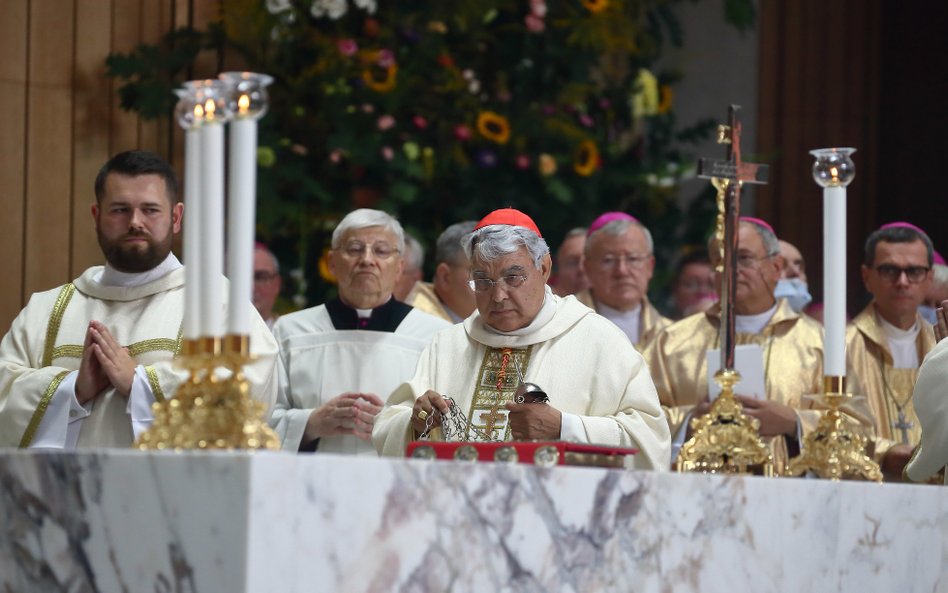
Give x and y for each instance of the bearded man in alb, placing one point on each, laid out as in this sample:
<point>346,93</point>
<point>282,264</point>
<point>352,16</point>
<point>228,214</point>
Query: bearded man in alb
<point>599,388</point>
<point>83,363</point>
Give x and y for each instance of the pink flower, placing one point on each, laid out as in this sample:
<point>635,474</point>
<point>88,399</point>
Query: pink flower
<point>387,153</point>
<point>534,23</point>
<point>523,161</point>
<point>586,120</point>
<point>347,47</point>
<point>335,157</point>
<point>386,122</point>
<point>538,7</point>
<point>462,133</point>
<point>385,58</point>
<point>420,122</point>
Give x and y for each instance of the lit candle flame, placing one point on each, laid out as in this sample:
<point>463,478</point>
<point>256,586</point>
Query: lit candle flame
<point>835,173</point>
<point>209,108</point>
<point>243,104</point>
<point>198,112</point>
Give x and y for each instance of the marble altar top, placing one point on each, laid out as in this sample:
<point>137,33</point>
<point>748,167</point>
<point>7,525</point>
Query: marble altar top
<point>115,520</point>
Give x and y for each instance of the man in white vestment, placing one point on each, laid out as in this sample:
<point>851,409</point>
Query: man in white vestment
<point>83,363</point>
<point>338,358</point>
<point>598,385</point>
<point>448,295</point>
<point>931,407</point>
<point>619,262</point>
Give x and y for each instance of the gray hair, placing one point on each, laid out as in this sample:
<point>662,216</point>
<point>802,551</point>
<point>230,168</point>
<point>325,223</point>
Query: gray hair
<point>364,218</point>
<point>414,253</point>
<point>771,244</point>
<point>496,240</point>
<point>619,227</point>
<point>448,249</point>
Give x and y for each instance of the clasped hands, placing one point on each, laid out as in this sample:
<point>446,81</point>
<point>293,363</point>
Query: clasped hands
<point>528,422</point>
<point>941,322</point>
<point>775,418</point>
<point>350,413</point>
<point>104,362</point>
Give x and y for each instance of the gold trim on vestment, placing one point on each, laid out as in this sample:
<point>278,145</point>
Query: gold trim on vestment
<point>67,351</point>
<point>486,400</point>
<point>134,350</point>
<point>155,385</point>
<point>55,320</point>
<point>41,409</point>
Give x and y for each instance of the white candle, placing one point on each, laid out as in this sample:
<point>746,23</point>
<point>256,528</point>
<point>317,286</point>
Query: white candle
<point>212,237</point>
<point>834,281</point>
<point>192,233</point>
<point>241,216</point>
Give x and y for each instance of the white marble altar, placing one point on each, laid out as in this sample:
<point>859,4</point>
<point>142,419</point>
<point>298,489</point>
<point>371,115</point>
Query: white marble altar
<point>116,521</point>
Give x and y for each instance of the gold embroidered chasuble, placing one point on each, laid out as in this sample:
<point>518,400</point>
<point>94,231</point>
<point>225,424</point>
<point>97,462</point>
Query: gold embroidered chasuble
<point>870,373</point>
<point>650,323</point>
<point>45,343</point>
<point>792,346</point>
<point>424,298</point>
<point>585,364</point>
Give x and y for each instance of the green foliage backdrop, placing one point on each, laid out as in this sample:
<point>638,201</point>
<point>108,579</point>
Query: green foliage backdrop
<point>440,111</point>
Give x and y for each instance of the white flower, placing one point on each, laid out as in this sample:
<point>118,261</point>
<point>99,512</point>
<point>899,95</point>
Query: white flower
<point>277,6</point>
<point>334,8</point>
<point>367,5</point>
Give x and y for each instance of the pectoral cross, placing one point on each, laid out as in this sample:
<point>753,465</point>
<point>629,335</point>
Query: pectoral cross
<point>728,176</point>
<point>903,426</point>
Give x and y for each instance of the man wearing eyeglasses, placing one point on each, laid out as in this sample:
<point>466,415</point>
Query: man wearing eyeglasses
<point>598,386</point>
<point>619,264</point>
<point>266,283</point>
<point>791,347</point>
<point>887,341</point>
<point>341,358</point>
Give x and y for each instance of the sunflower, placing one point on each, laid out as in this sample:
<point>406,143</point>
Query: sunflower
<point>380,79</point>
<point>587,158</point>
<point>665,103</point>
<point>493,127</point>
<point>595,5</point>
<point>324,272</point>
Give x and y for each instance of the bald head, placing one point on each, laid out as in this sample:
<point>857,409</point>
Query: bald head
<point>794,266</point>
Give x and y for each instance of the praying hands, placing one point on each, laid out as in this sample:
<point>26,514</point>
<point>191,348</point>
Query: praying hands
<point>346,414</point>
<point>104,362</point>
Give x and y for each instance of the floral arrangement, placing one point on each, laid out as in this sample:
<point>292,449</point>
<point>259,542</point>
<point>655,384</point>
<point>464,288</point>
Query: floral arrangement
<point>440,111</point>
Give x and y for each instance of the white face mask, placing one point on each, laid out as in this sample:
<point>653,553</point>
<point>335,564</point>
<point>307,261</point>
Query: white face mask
<point>928,313</point>
<point>795,291</point>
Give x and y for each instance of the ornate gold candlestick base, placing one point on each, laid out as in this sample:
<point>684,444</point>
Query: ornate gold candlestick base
<point>833,451</point>
<point>725,440</point>
<point>208,412</point>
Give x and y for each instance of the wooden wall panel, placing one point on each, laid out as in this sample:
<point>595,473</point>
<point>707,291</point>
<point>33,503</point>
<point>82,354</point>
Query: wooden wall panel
<point>92,115</point>
<point>126,31</point>
<point>49,146</point>
<point>14,25</point>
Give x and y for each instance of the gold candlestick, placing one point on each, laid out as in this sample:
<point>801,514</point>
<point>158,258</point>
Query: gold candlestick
<point>834,451</point>
<point>209,412</point>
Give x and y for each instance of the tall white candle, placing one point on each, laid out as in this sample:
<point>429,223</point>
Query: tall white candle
<point>212,237</point>
<point>834,281</point>
<point>192,233</point>
<point>241,216</point>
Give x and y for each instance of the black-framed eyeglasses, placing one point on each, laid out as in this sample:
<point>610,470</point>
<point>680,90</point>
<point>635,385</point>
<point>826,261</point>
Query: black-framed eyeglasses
<point>891,273</point>
<point>485,284</point>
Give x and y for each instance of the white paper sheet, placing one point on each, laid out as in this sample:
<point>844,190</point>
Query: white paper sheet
<point>749,362</point>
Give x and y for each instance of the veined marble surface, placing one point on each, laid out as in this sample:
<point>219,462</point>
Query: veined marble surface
<point>115,521</point>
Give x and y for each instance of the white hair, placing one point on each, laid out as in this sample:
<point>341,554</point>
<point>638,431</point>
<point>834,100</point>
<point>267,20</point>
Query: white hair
<point>448,249</point>
<point>273,258</point>
<point>771,243</point>
<point>414,253</point>
<point>497,240</point>
<point>940,274</point>
<point>619,227</point>
<point>364,218</point>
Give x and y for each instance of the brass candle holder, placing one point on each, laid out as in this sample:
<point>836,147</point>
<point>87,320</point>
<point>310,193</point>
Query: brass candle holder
<point>725,440</point>
<point>833,450</point>
<point>208,411</point>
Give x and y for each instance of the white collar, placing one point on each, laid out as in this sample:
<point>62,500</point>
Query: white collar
<point>610,313</point>
<point>112,277</point>
<point>544,315</point>
<point>754,324</point>
<point>894,333</point>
